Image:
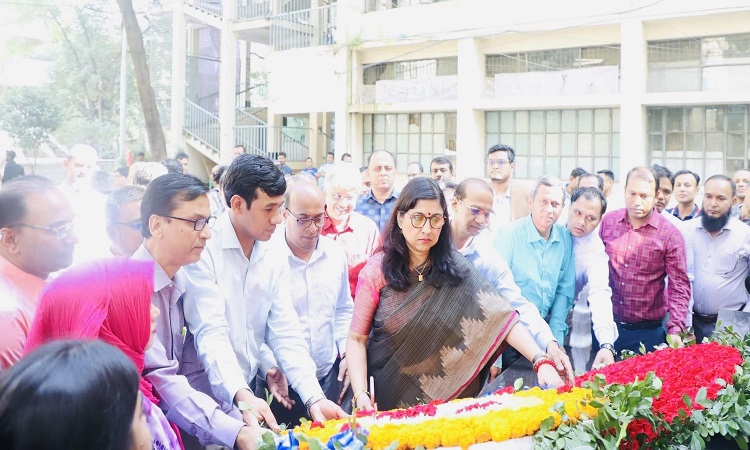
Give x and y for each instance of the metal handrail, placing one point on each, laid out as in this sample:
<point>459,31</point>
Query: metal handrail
<point>295,149</point>
<point>253,9</point>
<point>211,101</point>
<point>202,125</point>
<point>210,6</point>
<point>304,28</point>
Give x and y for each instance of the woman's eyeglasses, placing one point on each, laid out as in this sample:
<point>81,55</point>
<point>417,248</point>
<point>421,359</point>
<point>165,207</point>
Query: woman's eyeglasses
<point>418,220</point>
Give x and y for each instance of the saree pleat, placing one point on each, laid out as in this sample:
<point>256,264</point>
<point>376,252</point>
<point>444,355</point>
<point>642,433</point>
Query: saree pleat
<point>432,343</point>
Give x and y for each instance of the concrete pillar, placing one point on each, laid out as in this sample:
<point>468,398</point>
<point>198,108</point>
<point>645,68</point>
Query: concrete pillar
<point>315,120</point>
<point>275,121</point>
<point>227,82</point>
<point>470,122</point>
<point>179,66</point>
<point>633,86</point>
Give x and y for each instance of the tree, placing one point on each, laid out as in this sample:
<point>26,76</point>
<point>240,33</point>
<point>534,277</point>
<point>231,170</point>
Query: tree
<point>155,133</point>
<point>28,116</point>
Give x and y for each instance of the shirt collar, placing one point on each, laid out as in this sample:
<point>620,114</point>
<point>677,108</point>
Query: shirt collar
<point>370,195</point>
<point>653,218</point>
<point>330,228</point>
<point>532,234</point>
<point>161,280</point>
<point>227,234</point>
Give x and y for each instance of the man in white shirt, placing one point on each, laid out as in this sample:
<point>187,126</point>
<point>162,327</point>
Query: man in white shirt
<point>175,223</point>
<point>472,208</point>
<point>320,294</point>
<point>238,299</point>
<point>593,293</point>
<point>511,200</point>
<point>720,247</point>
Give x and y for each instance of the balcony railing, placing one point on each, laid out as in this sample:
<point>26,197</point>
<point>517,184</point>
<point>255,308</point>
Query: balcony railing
<point>292,141</point>
<point>253,137</point>
<point>380,5</point>
<point>209,6</point>
<point>306,28</point>
<point>255,96</point>
<point>203,125</point>
<point>253,9</point>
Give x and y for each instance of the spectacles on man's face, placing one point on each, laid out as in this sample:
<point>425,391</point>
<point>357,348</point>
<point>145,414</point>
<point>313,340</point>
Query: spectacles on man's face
<point>135,225</point>
<point>318,221</point>
<point>198,224</point>
<point>338,197</point>
<point>497,162</point>
<point>418,220</point>
<point>486,213</point>
<point>60,232</point>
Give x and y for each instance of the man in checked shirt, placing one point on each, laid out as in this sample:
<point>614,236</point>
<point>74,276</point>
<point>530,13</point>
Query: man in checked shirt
<point>643,248</point>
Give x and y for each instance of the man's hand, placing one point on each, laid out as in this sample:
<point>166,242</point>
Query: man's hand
<point>247,439</point>
<point>255,410</point>
<point>326,410</point>
<point>494,373</point>
<point>343,376</point>
<point>562,362</point>
<point>674,341</point>
<point>603,358</point>
<point>279,387</point>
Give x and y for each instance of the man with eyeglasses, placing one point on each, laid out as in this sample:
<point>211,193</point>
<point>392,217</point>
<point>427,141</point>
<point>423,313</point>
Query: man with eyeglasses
<point>472,212</point>
<point>124,220</point>
<point>540,255</point>
<point>358,235</point>
<point>36,239</point>
<point>378,202</point>
<point>511,200</point>
<point>320,297</point>
<point>239,306</point>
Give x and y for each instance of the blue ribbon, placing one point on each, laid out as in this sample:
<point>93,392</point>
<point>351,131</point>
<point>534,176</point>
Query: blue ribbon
<point>347,439</point>
<point>289,442</point>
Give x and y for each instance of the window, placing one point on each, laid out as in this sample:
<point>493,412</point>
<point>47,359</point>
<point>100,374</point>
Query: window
<point>554,142</point>
<point>410,70</point>
<point>552,60</point>
<point>705,139</point>
<point>411,137</point>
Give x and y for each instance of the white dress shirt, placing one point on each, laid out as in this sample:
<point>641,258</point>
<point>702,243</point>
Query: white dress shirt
<point>719,265</point>
<point>321,298</point>
<point>592,269</point>
<point>234,305</point>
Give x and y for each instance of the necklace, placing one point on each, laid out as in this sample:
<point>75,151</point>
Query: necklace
<point>420,273</point>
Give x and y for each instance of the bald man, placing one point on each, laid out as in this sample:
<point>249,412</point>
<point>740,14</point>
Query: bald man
<point>319,278</point>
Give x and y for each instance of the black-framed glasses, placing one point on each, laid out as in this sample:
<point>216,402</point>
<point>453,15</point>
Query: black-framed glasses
<point>318,221</point>
<point>497,162</point>
<point>135,225</point>
<point>60,232</point>
<point>198,224</point>
<point>486,213</point>
<point>418,220</point>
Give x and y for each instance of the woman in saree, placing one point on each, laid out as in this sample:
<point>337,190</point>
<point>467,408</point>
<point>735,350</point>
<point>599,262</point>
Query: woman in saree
<point>108,300</point>
<point>427,325</point>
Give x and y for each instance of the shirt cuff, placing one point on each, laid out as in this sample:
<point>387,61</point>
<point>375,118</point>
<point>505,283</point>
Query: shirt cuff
<point>544,338</point>
<point>233,387</point>
<point>308,388</point>
<point>226,429</point>
<point>605,336</point>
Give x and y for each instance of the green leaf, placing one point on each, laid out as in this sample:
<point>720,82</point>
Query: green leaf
<point>268,439</point>
<point>393,446</point>
<point>518,384</point>
<point>315,444</point>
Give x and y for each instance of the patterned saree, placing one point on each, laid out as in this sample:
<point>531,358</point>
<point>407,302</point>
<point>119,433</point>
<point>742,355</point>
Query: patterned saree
<point>431,343</point>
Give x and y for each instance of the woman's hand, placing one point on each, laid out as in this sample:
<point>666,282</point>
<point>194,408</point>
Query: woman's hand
<point>548,377</point>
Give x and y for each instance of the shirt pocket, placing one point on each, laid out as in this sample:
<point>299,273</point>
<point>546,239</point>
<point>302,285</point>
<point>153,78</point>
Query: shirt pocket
<point>726,264</point>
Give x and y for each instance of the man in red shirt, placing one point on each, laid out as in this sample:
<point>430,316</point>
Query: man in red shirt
<point>643,248</point>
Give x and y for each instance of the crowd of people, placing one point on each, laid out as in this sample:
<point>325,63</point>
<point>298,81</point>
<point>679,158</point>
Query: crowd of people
<point>172,315</point>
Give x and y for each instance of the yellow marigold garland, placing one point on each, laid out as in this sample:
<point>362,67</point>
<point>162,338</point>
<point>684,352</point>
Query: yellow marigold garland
<point>464,431</point>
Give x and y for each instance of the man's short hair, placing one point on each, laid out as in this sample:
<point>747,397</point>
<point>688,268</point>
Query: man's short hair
<point>119,197</point>
<point>147,172</point>
<point>363,169</point>
<point>282,154</point>
<point>10,154</point>
<point>577,172</point>
<point>381,151</point>
<point>724,178</point>
<point>503,148</point>
<point>590,193</point>
<point>442,160</point>
<point>548,181</point>
<point>163,195</point>
<point>123,171</point>
<point>13,195</point>
<point>686,172</point>
<point>662,172</point>
<point>181,155</point>
<point>172,165</point>
<point>330,153</point>
<point>308,159</point>
<point>644,173</point>
<point>607,172</point>
<point>599,179</point>
<point>343,157</point>
<point>345,176</point>
<point>218,174</point>
<point>418,164</point>
<point>242,147</point>
<point>247,173</point>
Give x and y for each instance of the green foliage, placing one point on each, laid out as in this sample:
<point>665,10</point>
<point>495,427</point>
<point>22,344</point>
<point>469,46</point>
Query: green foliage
<point>28,115</point>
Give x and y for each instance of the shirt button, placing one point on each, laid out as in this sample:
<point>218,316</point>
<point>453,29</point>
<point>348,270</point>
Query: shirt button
<point>623,283</point>
<point>626,265</point>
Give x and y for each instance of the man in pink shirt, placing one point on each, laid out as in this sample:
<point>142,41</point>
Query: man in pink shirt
<point>37,238</point>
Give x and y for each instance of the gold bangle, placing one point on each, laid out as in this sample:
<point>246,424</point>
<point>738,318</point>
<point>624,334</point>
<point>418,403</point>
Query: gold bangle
<point>356,396</point>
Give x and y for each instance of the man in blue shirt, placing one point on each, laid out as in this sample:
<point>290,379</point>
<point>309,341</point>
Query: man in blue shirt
<point>378,202</point>
<point>540,255</point>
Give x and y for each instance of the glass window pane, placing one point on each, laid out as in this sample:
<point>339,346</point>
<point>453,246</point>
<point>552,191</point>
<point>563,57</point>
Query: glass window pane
<point>615,166</point>
<point>714,166</point>
<point>736,118</point>
<point>522,167</point>
<point>695,165</point>
<point>553,121</point>
<point>522,121</point>
<point>425,144</point>
<point>522,144</point>
<point>733,165</point>
<point>584,144</point>
<point>537,121</point>
<point>367,123</point>
<point>616,120</point>
<point>585,163</point>
<point>426,122</point>
<point>674,119</point>
<point>507,121</point>
<point>569,120</point>
<point>675,142</point>
<point>695,119</point>
<point>568,144</point>
<point>402,143</point>
<point>492,121</point>
<point>414,143</point>
<point>585,119</point>
<point>715,118</point>
<point>552,166</point>
<point>390,123</point>
<point>537,144</point>
<point>438,123</point>
<point>379,121</point>
<point>601,144</point>
<point>714,142</point>
<point>566,166</point>
<point>367,143</point>
<point>736,145</point>
<point>378,142</point>
<point>402,160</point>
<point>602,120</point>
<point>403,123</point>
<point>535,164</point>
<point>390,142</point>
<point>601,163</point>
<point>655,119</point>
<point>615,144</point>
<point>694,145</point>
<point>507,139</point>
<point>674,162</point>
<point>656,142</point>
<point>438,144</point>
<point>552,144</point>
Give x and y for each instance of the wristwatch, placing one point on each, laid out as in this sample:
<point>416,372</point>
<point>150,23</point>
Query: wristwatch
<point>313,400</point>
<point>609,347</point>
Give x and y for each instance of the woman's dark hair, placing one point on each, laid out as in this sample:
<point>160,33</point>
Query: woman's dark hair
<point>164,193</point>
<point>247,174</point>
<point>395,250</point>
<point>69,394</point>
